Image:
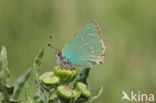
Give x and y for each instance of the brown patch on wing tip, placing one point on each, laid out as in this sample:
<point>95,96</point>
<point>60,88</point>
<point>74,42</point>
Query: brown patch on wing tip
<point>100,37</point>
<point>100,62</point>
<point>103,54</point>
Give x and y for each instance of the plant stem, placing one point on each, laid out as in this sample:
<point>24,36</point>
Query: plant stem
<point>84,73</point>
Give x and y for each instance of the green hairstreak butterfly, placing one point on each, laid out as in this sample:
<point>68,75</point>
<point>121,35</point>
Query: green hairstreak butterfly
<point>84,49</point>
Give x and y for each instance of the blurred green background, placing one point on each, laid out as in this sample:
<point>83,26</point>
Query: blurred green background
<point>129,34</point>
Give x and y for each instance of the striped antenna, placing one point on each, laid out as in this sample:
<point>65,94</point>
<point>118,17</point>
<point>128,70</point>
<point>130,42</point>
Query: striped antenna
<point>53,42</point>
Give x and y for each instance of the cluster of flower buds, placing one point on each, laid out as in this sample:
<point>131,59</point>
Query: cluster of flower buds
<point>81,90</point>
<point>66,74</point>
<point>59,80</point>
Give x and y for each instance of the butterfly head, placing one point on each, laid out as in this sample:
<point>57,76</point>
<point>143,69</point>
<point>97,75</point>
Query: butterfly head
<point>60,58</point>
<point>63,61</point>
<point>58,54</point>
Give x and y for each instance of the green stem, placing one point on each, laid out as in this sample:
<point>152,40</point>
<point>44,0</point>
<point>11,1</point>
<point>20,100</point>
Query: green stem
<point>78,94</point>
<point>84,73</point>
<point>27,93</point>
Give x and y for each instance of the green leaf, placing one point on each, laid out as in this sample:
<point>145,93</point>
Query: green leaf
<point>27,93</point>
<point>4,76</point>
<point>19,84</point>
<point>3,60</point>
<point>41,94</point>
<point>3,88</point>
<point>84,73</point>
<point>37,66</point>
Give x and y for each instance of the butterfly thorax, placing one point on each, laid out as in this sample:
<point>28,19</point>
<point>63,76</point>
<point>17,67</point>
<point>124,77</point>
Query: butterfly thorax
<point>63,61</point>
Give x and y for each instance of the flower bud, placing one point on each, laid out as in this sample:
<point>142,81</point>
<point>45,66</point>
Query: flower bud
<point>53,97</point>
<point>64,92</point>
<point>66,74</point>
<point>49,79</point>
<point>85,92</point>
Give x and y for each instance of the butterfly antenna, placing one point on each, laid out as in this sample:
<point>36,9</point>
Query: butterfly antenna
<point>51,38</point>
<point>54,47</point>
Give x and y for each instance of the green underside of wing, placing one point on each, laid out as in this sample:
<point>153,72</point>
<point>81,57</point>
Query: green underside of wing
<point>84,49</point>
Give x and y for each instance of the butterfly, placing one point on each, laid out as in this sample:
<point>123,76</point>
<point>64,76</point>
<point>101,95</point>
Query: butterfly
<point>84,49</point>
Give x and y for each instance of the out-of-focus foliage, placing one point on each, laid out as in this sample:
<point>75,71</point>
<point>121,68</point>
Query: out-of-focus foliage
<point>10,94</point>
<point>129,33</point>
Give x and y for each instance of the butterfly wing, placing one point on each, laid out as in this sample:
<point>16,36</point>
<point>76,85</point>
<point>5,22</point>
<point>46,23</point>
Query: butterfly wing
<point>86,47</point>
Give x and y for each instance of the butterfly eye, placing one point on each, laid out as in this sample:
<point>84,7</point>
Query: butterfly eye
<point>58,54</point>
